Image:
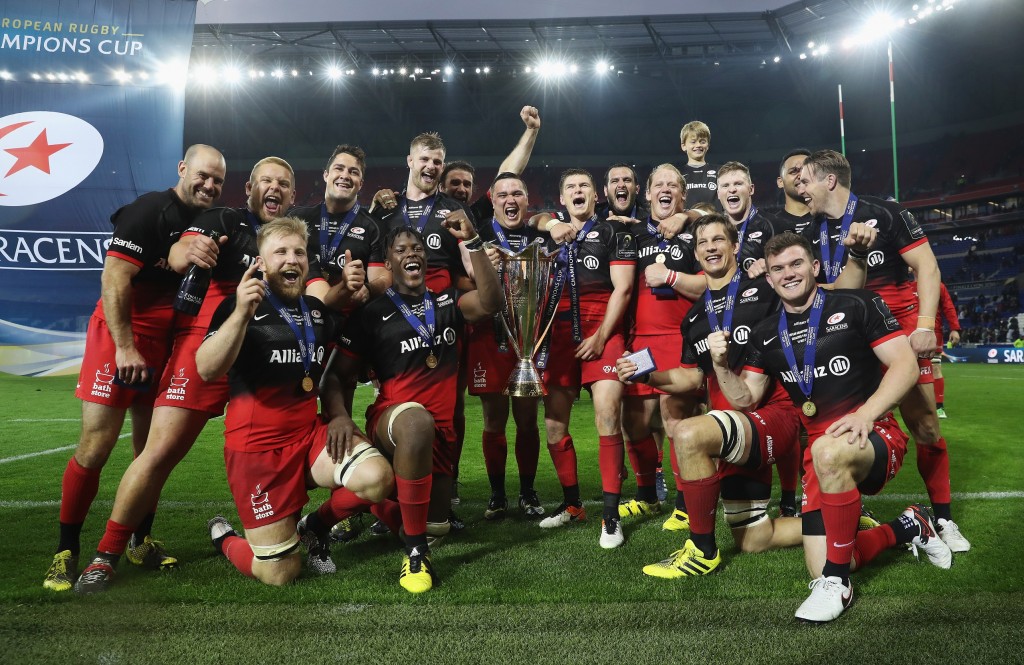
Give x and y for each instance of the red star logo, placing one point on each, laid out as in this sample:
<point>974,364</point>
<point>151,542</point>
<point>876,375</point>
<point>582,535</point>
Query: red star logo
<point>36,154</point>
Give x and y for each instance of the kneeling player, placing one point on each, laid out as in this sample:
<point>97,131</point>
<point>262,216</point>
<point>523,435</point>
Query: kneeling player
<point>270,339</point>
<point>410,336</point>
<point>827,349</point>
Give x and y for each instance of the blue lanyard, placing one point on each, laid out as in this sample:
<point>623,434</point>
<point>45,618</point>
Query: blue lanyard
<point>742,232</point>
<point>305,337</point>
<point>805,375</point>
<point>424,217</point>
<point>833,267</point>
<point>653,230</point>
<point>730,305</point>
<point>253,220</point>
<point>566,269</point>
<point>425,328</point>
<point>329,246</point>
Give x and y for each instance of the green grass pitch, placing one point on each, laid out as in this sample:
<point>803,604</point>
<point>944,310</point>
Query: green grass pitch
<point>510,591</point>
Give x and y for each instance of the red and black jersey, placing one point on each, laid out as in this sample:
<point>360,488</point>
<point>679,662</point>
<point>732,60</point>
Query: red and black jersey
<point>517,239</point>
<point>379,334</point>
<point>755,300</point>
<point>898,233</point>
<point>701,185</point>
<point>947,311</point>
<point>363,238</point>
<point>267,405</point>
<point>783,221</point>
<point>144,231</point>
<point>846,371</point>
<point>444,260</point>
<point>607,244</point>
<point>659,311</point>
<point>240,227</point>
<point>482,210</point>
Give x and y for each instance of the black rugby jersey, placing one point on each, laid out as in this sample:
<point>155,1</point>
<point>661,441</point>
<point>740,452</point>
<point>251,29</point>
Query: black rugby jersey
<point>786,221</point>
<point>444,260</point>
<point>755,300</point>
<point>363,238</point>
<point>701,185</point>
<point>638,211</point>
<point>846,371</point>
<point>605,245</point>
<point>268,406</point>
<point>898,232</point>
<point>759,231</point>
<point>145,230</point>
<point>658,313</point>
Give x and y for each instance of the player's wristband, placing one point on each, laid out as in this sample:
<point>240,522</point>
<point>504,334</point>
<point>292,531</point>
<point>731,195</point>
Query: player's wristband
<point>858,256</point>
<point>927,330</point>
<point>474,244</point>
<point>671,277</point>
<point>551,224</point>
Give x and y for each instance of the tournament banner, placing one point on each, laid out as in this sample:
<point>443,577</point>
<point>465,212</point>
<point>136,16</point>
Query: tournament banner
<point>92,115</point>
<point>991,355</point>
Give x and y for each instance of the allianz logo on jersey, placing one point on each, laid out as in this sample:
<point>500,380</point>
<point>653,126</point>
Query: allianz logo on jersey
<point>837,366</point>
<point>739,335</point>
<point>290,356</point>
<point>446,336</point>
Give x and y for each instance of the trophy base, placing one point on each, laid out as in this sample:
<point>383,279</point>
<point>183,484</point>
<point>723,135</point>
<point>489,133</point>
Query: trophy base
<point>525,381</point>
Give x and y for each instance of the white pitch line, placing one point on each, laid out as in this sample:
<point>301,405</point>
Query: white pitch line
<point>44,420</point>
<point>39,453</point>
<point>901,498</point>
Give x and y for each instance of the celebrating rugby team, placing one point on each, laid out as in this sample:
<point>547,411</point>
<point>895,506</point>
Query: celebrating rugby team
<point>750,339</point>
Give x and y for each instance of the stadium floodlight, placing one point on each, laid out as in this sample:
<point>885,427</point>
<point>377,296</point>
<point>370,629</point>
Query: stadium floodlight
<point>823,49</point>
<point>295,72</point>
<point>487,70</point>
<point>277,73</point>
<point>376,72</point>
<point>810,44</point>
<point>777,59</point>
<point>35,76</point>
<point>527,69</point>
<point>402,71</point>
<point>263,74</point>
<point>601,67</point>
<point>50,76</point>
<point>803,56</point>
<point>333,72</point>
<point>449,70</point>
<point>573,68</point>
<point>477,70</point>
<point>81,77</point>
<point>6,75</point>
<point>121,76</point>
<point>879,24</point>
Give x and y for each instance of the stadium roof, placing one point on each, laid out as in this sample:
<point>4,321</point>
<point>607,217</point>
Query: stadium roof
<point>651,34</point>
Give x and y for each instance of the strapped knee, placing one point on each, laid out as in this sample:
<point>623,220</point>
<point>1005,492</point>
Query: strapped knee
<point>734,438</point>
<point>276,552</point>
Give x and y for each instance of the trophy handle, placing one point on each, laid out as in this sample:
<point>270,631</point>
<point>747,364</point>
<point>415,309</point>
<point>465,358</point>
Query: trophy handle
<point>509,337</point>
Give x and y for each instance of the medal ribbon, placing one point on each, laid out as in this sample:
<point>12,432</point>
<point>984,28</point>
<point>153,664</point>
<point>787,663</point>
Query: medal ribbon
<point>566,269</point>
<point>804,376</point>
<point>329,246</point>
<point>425,328</point>
<point>424,218</point>
<point>662,247</point>
<point>833,267</point>
<point>305,337</point>
<point>253,220</point>
<point>730,305</point>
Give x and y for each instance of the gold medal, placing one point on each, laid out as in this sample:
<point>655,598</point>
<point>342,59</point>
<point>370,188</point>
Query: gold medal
<point>660,258</point>
<point>307,384</point>
<point>809,409</point>
<point>431,361</point>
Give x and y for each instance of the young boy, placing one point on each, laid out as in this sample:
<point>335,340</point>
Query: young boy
<point>701,177</point>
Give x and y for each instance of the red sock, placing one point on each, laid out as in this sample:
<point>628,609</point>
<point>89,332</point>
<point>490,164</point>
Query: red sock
<point>871,542</point>
<point>940,390</point>
<point>789,468</point>
<point>495,452</point>
<point>675,464</point>
<point>527,452</point>
<point>661,453</point>
<point>643,457</point>
<point>414,499</point>
<point>933,465</point>
<point>343,503</point>
<point>115,538</point>
<point>78,489</point>
<point>563,454</point>
<point>609,458</point>
<point>389,512</point>
<point>702,502</point>
<point>239,553</point>
<point>841,514</point>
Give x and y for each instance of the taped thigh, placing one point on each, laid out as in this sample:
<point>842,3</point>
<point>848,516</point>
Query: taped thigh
<point>276,552</point>
<point>344,468</point>
<point>734,438</point>
<point>397,411</point>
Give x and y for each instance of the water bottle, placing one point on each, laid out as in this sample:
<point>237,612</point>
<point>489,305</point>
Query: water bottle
<point>193,287</point>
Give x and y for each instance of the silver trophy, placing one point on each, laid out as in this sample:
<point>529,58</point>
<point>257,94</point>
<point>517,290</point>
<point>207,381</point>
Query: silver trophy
<point>526,283</point>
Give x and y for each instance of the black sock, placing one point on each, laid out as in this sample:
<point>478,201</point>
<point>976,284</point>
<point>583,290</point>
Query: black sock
<point>905,528</point>
<point>611,506</point>
<point>414,542</point>
<point>680,501</point>
<point>145,527</point>
<point>497,481</point>
<point>70,538</point>
<point>705,542</point>
<point>316,525</point>
<point>942,511</point>
<point>837,570</point>
<point>648,494</point>
<point>108,558</point>
<point>940,405</point>
<point>571,494</point>
<point>788,498</point>
<point>526,484</point>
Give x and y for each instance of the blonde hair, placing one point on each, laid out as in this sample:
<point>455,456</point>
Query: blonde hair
<point>667,167</point>
<point>697,128</point>
<point>271,160</point>
<point>282,226</point>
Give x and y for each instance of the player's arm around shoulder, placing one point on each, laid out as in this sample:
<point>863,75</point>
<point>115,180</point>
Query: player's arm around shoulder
<point>219,350</point>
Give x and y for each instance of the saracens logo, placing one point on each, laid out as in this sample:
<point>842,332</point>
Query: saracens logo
<point>43,155</point>
<point>748,292</point>
<point>836,318</point>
